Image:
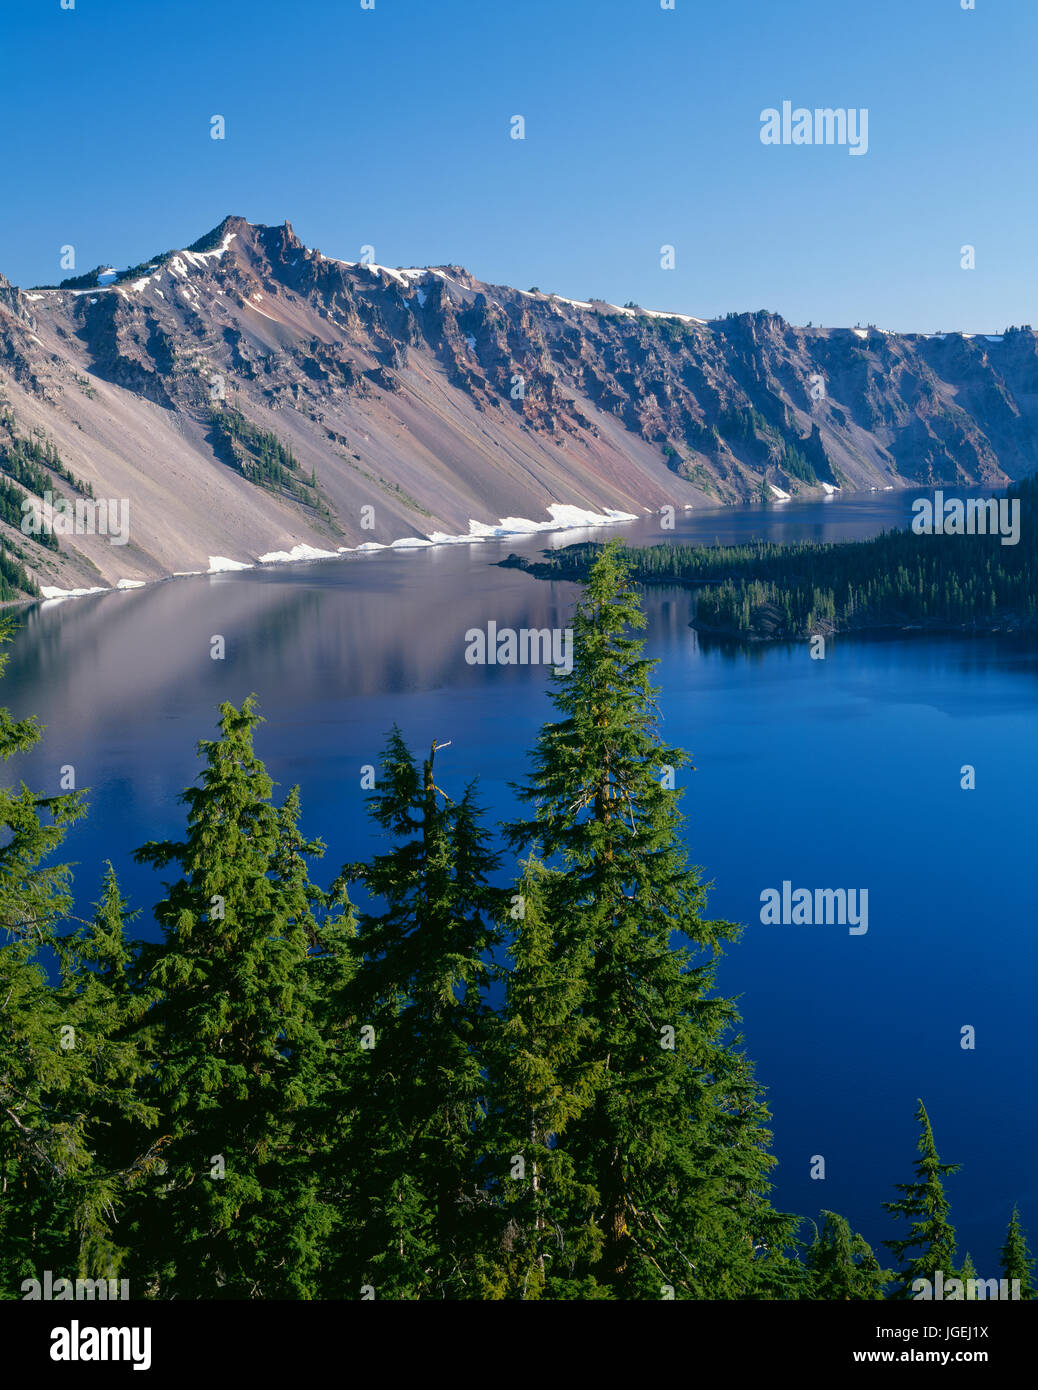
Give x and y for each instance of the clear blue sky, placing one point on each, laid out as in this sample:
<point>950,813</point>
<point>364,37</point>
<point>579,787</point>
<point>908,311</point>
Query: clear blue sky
<point>391,127</point>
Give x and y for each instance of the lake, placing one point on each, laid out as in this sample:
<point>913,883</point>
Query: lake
<point>836,773</point>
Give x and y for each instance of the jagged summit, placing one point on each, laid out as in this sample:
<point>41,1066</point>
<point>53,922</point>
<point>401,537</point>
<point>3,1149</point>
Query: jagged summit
<point>250,394</point>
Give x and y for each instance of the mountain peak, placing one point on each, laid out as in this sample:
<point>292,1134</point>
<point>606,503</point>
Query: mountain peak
<point>231,225</point>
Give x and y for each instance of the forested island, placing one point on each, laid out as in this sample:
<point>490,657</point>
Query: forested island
<point>898,580</point>
<point>502,1072</point>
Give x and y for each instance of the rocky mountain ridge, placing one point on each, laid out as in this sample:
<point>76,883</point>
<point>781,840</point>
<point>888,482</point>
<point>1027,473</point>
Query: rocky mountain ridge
<point>250,396</point>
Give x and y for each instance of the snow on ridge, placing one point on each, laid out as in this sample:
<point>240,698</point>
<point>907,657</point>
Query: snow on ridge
<point>200,257</point>
<point>630,313</point>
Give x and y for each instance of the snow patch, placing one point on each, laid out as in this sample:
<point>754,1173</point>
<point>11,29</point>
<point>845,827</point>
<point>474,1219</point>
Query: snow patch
<point>48,591</point>
<point>219,564</point>
<point>130,584</point>
<point>779,494</point>
<point>563,518</point>
<point>298,552</point>
<point>200,257</point>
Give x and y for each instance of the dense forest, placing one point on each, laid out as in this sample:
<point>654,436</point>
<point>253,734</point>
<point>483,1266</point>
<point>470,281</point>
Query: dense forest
<point>501,1073</point>
<point>899,579</point>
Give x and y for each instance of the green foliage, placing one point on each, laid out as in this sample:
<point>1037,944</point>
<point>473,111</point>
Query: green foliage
<point>790,591</point>
<point>925,1207</point>
<point>422,992</point>
<point>670,1148</point>
<point>231,1023</point>
<point>26,466</point>
<point>282,1098</point>
<point>259,455</point>
<point>1015,1258</point>
<point>842,1264</point>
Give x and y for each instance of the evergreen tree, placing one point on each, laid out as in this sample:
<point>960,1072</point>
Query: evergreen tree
<point>842,1264</point>
<point>103,1011</point>
<point>925,1205</point>
<point>673,1143</point>
<point>231,1021</point>
<point>1015,1259</point>
<point>968,1274</point>
<point>420,1002</point>
<point>542,1077</point>
<point>45,1163</point>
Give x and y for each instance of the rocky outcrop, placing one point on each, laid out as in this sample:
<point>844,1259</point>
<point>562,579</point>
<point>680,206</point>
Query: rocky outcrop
<point>423,399</point>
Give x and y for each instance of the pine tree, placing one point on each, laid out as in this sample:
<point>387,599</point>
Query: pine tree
<point>420,1002</point>
<point>236,1213</point>
<point>541,1080</point>
<point>968,1275</point>
<point>842,1264</point>
<point>1015,1259</point>
<point>44,1158</point>
<point>925,1205</point>
<point>103,1011</point>
<point>673,1142</point>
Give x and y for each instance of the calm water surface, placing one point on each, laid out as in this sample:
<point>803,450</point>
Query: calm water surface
<point>835,773</point>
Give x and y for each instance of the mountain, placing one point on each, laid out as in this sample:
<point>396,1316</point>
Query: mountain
<point>249,395</point>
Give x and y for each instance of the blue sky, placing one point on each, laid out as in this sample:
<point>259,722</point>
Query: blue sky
<point>390,127</point>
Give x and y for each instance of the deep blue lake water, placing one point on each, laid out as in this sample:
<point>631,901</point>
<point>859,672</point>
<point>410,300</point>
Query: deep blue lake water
<point>836,773</point>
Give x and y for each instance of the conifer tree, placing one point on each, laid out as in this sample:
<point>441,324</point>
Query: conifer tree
<point>236,1212</point>
<point>44,1158</point>
<point>673,1143</point>
<point>106,1065</point>
<point>542,1078</point>
<point>968,1275</point>
<point>420,1002</point>
<point>1015,1259</point>
<point>842,1264</point>
<point>926,1207</point>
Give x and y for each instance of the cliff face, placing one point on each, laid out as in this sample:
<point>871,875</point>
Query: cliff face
<point>248,395</point>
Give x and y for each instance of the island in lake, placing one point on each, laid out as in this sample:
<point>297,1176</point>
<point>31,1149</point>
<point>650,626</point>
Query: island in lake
<point>949,579</point>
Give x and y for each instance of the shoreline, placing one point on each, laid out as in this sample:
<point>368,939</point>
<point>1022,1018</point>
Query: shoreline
<point>564,517</point>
